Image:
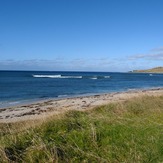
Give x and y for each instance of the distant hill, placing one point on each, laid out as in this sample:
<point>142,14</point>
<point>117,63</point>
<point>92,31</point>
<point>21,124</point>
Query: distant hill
<point>153,70</point>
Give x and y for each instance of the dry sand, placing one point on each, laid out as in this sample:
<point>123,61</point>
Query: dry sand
<point>42,109</point>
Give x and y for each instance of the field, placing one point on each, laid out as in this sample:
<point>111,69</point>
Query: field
<point>130,131</point>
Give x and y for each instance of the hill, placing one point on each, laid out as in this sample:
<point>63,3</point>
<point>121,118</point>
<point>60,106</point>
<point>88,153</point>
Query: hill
<point>153,70</point>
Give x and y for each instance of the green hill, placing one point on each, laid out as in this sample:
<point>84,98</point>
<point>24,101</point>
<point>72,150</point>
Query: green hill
<point>153,70</point>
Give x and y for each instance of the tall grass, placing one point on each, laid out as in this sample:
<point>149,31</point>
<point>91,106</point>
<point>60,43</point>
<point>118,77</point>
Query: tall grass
<point>131,131</point>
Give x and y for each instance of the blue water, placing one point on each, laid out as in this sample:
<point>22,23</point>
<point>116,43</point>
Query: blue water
<point>19,86</point>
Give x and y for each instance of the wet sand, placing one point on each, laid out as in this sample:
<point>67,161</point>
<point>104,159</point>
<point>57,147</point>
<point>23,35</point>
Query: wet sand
<point>43,109</point>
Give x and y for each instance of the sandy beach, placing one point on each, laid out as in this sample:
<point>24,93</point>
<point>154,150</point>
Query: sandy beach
<point>43,109</point>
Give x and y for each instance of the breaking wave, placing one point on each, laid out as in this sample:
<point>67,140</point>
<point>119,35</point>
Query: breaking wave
<point>106,76</point>
<point>76,77</point>
<point>94,78</point>
<point>46,76</point>
<point>55,76</point>
<point>68,77</point>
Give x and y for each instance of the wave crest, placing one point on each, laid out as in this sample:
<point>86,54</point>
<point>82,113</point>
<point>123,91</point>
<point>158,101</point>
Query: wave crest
<point>56,76</point>
<point>70,77</point>
<point>46,76</point>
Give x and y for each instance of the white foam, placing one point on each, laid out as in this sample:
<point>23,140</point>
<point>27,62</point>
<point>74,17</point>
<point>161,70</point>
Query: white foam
<point>4,104</point>
<point>47,76</point>
<point>106,76</point>
<point>60,96</point>
<point>76,77</point>
<point>67,77</point>
<point>94,78</point>
<point>56,76</point>
<point>15,102</point>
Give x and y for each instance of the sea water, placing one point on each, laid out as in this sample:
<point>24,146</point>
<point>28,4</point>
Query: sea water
<point>23,86</point>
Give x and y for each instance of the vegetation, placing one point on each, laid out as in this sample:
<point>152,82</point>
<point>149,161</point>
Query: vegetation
<point>131,131</point>
<point>153,70</point>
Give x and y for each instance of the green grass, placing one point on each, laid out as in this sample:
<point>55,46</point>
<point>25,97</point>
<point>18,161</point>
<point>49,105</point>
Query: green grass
<point>131,131</point>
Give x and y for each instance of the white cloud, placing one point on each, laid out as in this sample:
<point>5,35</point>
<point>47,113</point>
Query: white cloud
<point>155,54</point>
<point>57,64</point>
<point>160,49</point>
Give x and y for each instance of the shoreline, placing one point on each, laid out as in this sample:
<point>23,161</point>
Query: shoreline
<point>45,108</point>
<point>13,104</point>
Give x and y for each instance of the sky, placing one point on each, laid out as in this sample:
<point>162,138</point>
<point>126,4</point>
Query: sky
<point>81,35</point>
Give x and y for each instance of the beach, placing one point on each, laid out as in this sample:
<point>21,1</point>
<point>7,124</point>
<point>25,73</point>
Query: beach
<point>46,108</point>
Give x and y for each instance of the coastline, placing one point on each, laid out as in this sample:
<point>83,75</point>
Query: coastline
<point>45,108</point>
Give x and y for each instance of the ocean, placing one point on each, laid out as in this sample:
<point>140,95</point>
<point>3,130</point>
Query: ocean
<point>18,87</point>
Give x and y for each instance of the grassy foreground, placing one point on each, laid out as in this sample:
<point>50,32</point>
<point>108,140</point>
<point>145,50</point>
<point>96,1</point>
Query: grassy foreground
<point>131,131</point>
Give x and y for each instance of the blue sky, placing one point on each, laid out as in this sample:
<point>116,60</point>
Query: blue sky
<point>81,35</point>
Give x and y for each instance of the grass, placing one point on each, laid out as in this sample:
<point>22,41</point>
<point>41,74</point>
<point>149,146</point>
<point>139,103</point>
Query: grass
<point>153,70</point>
<point>131,131</point>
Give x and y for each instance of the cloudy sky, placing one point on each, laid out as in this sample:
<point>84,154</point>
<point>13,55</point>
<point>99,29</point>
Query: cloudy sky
<point>81,35</point>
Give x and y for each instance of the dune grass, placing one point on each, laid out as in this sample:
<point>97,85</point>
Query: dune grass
<point>130,131</point>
